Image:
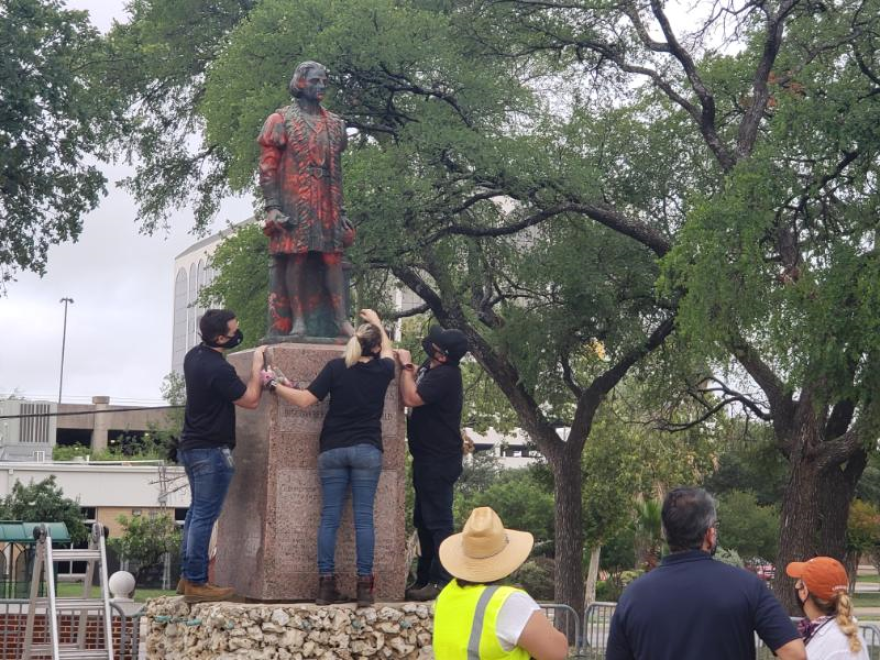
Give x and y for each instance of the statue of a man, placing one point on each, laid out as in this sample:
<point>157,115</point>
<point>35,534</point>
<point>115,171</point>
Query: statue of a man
<point>301,178</point>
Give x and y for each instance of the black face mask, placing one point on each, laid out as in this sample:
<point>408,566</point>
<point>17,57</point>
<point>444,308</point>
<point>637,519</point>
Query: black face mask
<point>428,347</point>
<point>231,342</point>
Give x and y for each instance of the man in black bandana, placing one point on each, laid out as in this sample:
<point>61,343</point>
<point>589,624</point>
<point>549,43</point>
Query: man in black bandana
<point>213,389</point>
<point>435,394</point>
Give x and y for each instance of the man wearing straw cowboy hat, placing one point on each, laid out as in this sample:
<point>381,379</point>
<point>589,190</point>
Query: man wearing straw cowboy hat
<point>477,619</point>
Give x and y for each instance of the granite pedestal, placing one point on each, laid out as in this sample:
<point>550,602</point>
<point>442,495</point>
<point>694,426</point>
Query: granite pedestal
<point>267,540</point>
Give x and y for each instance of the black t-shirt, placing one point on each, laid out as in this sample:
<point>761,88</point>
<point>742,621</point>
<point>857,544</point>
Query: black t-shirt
<point>692,607</point>
<point>211,387</point>
<point>357,399</point>
<point>434,429</point>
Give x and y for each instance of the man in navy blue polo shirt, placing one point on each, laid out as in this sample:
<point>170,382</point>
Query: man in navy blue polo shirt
<point>692,607</point>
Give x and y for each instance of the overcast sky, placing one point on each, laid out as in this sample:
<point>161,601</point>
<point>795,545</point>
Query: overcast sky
<point>119,326</point>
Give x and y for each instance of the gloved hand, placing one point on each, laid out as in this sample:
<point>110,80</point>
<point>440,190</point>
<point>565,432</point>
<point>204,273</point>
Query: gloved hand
<point>269,379</point>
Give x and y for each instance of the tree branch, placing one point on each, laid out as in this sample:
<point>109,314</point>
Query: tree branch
<point>593,395</point>
<point>604,215</point>
<point>782,405</point>
<point>748,128</point>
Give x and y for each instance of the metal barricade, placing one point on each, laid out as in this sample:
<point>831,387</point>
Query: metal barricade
<point>871,634</point>
<point>597,624</point>
<point>13,618</point>
<point>566,620</point>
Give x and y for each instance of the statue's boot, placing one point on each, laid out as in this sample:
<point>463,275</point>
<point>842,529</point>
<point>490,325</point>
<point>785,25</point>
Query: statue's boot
<point>298,329</point>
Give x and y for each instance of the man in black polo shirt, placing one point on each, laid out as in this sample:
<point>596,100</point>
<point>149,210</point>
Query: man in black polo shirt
<point>436,396</point>
<point>213,389</point>
<point>692,607</point>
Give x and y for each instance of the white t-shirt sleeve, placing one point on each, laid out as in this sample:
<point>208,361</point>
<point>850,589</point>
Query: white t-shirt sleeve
<point>513,617</point>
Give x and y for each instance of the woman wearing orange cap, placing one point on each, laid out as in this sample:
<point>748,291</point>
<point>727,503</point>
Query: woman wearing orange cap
<point>829,630</point>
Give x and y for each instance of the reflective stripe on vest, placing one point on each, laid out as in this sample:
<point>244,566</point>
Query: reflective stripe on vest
<point>477,627</point>
<point>465,619</point>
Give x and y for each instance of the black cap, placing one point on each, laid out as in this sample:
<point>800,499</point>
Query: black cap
<point>452,342</point>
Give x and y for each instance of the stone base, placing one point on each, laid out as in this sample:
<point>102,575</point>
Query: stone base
<point>267,541</point>
<point>223,631</point>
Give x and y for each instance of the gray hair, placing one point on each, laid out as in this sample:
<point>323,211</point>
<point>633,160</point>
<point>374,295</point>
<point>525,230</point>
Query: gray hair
<point>301,72</point>
<point>687,514</point>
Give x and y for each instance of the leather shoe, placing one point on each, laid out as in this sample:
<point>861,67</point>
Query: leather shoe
<point>426,593</point>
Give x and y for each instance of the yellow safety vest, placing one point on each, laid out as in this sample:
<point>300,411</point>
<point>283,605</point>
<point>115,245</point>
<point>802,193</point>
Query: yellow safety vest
<point>465,620</point>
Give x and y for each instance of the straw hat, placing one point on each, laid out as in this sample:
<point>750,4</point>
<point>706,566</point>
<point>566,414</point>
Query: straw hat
<point>485,551</point>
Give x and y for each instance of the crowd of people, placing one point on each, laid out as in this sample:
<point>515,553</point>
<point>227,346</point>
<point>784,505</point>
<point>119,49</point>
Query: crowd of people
<point>689,607</point>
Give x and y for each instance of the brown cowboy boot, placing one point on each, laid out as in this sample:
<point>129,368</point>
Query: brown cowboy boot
<point>181,586</point>
<point>203,593</point>
<point>327,592</point>
<point>365,596</point>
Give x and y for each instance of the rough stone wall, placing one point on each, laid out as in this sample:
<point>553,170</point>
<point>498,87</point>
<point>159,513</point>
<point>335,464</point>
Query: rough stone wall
<point>223,631</point>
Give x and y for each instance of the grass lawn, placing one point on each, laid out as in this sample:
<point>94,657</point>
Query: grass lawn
<point>68,589</point>
<point>867,600</point>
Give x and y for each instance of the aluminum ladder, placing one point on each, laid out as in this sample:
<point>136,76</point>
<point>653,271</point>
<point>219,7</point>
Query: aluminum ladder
<point>96,558</point>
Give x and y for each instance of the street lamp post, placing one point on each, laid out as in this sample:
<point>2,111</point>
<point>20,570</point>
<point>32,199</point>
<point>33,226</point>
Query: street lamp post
<point>63,342</point>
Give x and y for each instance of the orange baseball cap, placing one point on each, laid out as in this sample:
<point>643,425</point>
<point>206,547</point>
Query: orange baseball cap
<point>824,576</point>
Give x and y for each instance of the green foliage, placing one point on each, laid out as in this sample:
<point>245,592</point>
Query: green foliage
<point>746,527</point>
<point>536,577</point>
<point>44,502</point>
<point>241,264</point>
<point>619,552</point>
<point>755,465</point>
<point>863,527</point>
<point>797,279</point>
<point>70,452</point>
<point>648,528</point>
<point>478,474</point>
<point>50,130</point>
<point>152,446</point>
<point>145,540</point>
<point>610,590</point>
<point>518,499</point>
<point>173,390</point>
<point>157,64</point>
<point>627,458</point>
<point>869,485</point>
<point>729,557</point>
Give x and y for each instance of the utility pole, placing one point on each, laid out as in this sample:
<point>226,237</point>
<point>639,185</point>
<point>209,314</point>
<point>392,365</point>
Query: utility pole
<point>66,301</point>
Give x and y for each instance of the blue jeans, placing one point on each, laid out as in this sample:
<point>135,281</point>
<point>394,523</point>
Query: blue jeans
<point>359,467</point>
<point>209,472</point>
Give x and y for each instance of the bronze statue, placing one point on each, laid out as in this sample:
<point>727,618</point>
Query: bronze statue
<point>301,178</point>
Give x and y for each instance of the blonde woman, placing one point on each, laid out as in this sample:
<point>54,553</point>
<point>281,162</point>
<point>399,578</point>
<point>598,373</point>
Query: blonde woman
<point>829,630</point>
<point>350,447</point>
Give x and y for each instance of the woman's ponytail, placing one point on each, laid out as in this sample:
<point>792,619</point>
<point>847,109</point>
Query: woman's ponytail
<point>844,618</point>
<point>353,351</point>
<point>365,340</point>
